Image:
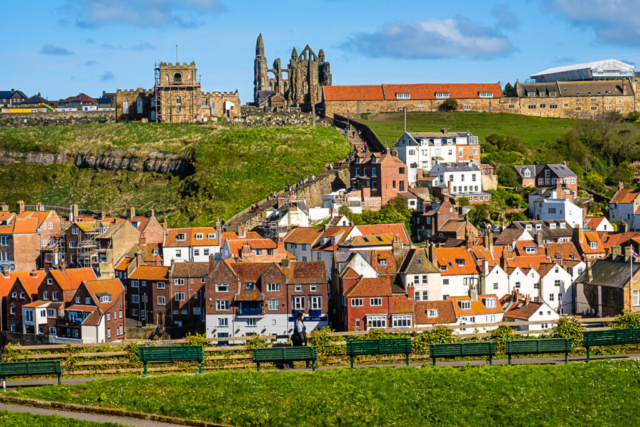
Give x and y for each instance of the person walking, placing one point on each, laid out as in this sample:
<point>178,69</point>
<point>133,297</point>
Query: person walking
<point>299,337</point>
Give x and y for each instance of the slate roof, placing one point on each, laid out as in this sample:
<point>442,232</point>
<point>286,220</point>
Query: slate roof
<point>546,228</point>
<point>613,272</point>
<point>190,269</point>
<point>508,236</point>
<point>35,99</point>
<point>460,167</point>
<point>417,262</point>
<point>6,94</point>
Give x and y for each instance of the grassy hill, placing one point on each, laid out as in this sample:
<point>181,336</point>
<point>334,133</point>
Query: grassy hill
<point>233,167</point>
<point>598,393</point>
<point>532,130</point>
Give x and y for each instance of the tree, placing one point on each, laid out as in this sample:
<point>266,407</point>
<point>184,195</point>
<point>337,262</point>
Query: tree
<point>633,116</point>
<point>623,173</point>
<point>509,91</point>
<point>507,177</point>
<point>479,215</point>
<point>594,181</point>
<point>449,105</point>
<point>464,201</point>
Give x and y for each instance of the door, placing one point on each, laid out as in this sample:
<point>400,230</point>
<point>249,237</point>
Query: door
<point>223,335</point>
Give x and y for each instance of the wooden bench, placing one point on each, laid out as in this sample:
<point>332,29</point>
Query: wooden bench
<point>171,354</point>
<point>549,345</point>
<point>463,349</point>
<point>379,346</point>
<point>20,369</point>
<point>610,337</point>
<point>285,354</point>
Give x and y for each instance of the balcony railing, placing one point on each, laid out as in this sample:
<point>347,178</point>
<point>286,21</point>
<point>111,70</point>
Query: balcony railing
<point>250,311</point>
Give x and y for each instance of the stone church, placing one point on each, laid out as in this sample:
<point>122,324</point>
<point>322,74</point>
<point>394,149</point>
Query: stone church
<point>176,97</point>
<point>298,85</point>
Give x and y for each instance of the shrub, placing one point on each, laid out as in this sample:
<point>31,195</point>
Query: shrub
<point>626,321</point>
<point>568,327</point>
<point>197,339</point>
<point>633,116</point>
<point>255,342</point>
<point>503,334</point>
<point>449,105</point>
<point>323,342</point>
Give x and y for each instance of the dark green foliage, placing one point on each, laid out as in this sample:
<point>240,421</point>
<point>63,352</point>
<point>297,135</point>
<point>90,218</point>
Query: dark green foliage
<point>568,327</point>
<point>633,116</point>
<point>396,211</point>
<point>463,201</point>
<point>15,419</point>
<point>509,91</point>
<point>598,393</point>
<point>626,321</point>
<point>507,177</point>
<point>503,334</point>
<point>449,105</point>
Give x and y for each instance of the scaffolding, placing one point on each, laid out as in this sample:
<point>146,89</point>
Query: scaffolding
<point>183,112</point>
<point>88,246</point>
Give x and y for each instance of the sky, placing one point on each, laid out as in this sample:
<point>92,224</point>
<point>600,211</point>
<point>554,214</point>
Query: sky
<point>90,46</point>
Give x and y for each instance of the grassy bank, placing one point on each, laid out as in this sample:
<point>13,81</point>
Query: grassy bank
<point>599,393</point>
<point>13,419</point>
<point>534,131</point>
<point>234,167</point>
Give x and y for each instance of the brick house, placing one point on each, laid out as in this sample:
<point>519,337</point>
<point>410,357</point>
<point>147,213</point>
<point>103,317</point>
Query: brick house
<point>430,217</point>
<point>188,278</point>
<point>148,293</point>
<point>96,314</point>
<point>255,250</point>
<point>150,227</point>
<point>22,291</point>
<point>374,303</point>
<point>379,175</point>
<point>245,299</point>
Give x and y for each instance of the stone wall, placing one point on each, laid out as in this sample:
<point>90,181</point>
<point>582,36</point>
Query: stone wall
<point>258,117</point>
<point>109,160</point>
<point>583,107</point>
<point>62,118</point>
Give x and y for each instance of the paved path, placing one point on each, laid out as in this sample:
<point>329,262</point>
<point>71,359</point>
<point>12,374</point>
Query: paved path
<point>83,416</point>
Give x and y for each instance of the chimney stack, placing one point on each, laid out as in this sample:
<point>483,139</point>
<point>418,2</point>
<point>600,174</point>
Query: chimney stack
<point>139,261</point>
<point>164,225</point>
<point>620,185</point>
<point>212,263</point>
<point>131,212</point>
<point>627,253</point>
<point>539,239</point>
<point>241,232</point>
<point>624,226</point>
<point>616,250</point>
<point>473,293</point>
<point>396,245</point>
<point>74,212</point>
<point>63,266</point>
<point>20,207</point>
<point>143,239</point>
<point>578,234</point>
<point>102,214</point>
<point>285,263</point>
<point>433,254</point>
<point>4,207</point>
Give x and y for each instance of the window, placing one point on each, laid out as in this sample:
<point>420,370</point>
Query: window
<point>403,96</point>
<point>222,305</point>
<point>489,302</point>
<point>196,252</point>
<point>416,280</point>
<point>223,321</point>
<point>552,297</point>
<point>432,313</point>
<point>87,300</point>
<point>465,305</point>
<point>12,310</point>
<point>160,285</point>
<point>356,302</point>
<point>52,330</point>
<point>179,296</point>
<point>139,105</point>
<point>357,324</point>
<point>134,283</point>
<point>125,109</point>
<point>252,322</point>
<point>108,317</point>
<point>636,297</point>
<point>465,108</point>
<point>593,245</point>
<point>135,299</point>
<point>298,288</point>
<point>78,300</point>
<point>273,287</point>
<point>416,295</point>
<point>178,282</point>
<point>495,286</point>
<point>273,304</point>
<point>161,301</point>
<point>375,302</point>
<point>517,285</point>
<point>178,103</point>
<point>45,295</point>
<point>72,244</point>
<point>401,321</point>
<point>315,303</point>
<point>377,321</point>
<point>134,312</point>
<point>445,281</point>
<point>222,287</point>
<point>558,283</point>
<point>298,303</point>
<point>511,106</point>
<point>442,95</point>
<point>120,314</point>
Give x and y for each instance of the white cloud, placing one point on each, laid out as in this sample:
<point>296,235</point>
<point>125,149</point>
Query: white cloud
<point>138,13</point>
<point>431,38</point>
<point>614,21</point>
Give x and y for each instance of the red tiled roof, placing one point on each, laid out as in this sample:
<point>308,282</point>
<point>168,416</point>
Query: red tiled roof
<point>306,272</point>
<point>395,229</point>
<point>126,262</point>
<point>566,250</point>
<point>448,256</point>
<point>150,272</point>
<point>79,98</point>
<point>112,287</point>
<point>84,308</point>
<point>29,282</point>
<point>21,226</point>
<point>378,287</point>
<point>400,304</point>
<point>232,235</point>
<point>36,304</point>
<point>303,235</point>
<point>446,313</point>
<point>519,309</point>
<point>353,93</point>
<point>594,221</point>
<point>522,244</point>
<point>477,307</point>
<point>526,262</point>
<point>190,237</point>
<point>71,278</point>
<point>626,195</point>
<point>591,236</point>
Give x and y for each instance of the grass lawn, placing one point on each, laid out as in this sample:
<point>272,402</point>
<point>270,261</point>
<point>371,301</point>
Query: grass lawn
<point>234,167</point>
<point>14,419</point>
<point>532,130</point>
<point>599,393</point>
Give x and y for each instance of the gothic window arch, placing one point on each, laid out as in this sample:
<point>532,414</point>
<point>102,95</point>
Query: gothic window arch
<point>153,102</point>
<point>139,105</point>
<point>177,78</point>
<point>125,106</point>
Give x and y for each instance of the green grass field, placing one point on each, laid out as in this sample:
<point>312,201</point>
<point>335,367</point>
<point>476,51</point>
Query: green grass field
<point>234,167</point>
<point>600,393</point>
<point>532,130</point>
<point>13,419</point>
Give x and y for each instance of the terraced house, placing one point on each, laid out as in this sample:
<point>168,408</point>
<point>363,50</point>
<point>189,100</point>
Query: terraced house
<point>245,299</point>
<point>190,244</point>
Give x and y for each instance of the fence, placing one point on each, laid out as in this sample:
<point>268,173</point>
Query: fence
<point>368,135</point>
<point>122,358</point>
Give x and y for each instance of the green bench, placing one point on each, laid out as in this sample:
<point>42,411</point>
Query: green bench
<point>171,354</point>
<point>610,337</point>
<point>549,345</point>
<point>463,349</point>
<point>285,354</point>
<point>20,369</point>
<point>380,346</point>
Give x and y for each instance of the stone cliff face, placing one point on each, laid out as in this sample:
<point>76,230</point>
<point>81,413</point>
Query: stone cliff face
<point>108,160</point>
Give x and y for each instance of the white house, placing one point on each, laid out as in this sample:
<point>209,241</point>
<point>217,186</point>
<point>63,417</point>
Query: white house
<point>190,245</point>
<point>461,177</point>
<point>417,271</point>
<point>525,280</point>
<point>600,223</point>
<point>624,205</point>
<point>556,287</point>
<point>519,308</point>
<point>419,149</point>
<point>496,280</point>
<point>477,309</point>
<point>554,203</point>
<point>458,271</point>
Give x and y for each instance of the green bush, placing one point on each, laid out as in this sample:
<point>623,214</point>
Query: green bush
<point>449,105</point>
<point>626,321</point>
<point>568,327</point>
<point>503,334</point>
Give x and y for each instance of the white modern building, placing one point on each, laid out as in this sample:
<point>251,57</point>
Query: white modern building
<point>553,204</point>
<point>598,70</point>
<point>420,150</point>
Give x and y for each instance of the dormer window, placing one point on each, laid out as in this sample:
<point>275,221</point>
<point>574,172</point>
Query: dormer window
<point>530,250</point>
<point>489,302</point>
<point>563,225</point>
<point>403,96</point>
<point>432,313</point>
<point>442,95</point>
<point>373,159</point>
<point>528,227</point>
<point>105,298</point>
<point>485,94</point>
<point>460,262</point>
<point>538,226</point>
<point>211,236</point>
<point>552,226</point>
<point>181,237</point>
<point>199,236</point>
<point>527,173</point>
<point>593,245</point>
<point>465,305</point>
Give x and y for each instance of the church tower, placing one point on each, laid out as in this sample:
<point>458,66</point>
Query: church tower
<point>261,78</point>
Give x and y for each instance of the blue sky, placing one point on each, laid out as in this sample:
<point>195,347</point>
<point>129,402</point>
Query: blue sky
<point>63,47</point>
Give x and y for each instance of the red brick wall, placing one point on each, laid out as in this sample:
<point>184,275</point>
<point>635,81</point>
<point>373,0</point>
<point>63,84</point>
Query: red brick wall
<point>17,303</point>
<point>25,250</point>
<point>353,313</point>
<point>392,171</point>
<point>115,322</point>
